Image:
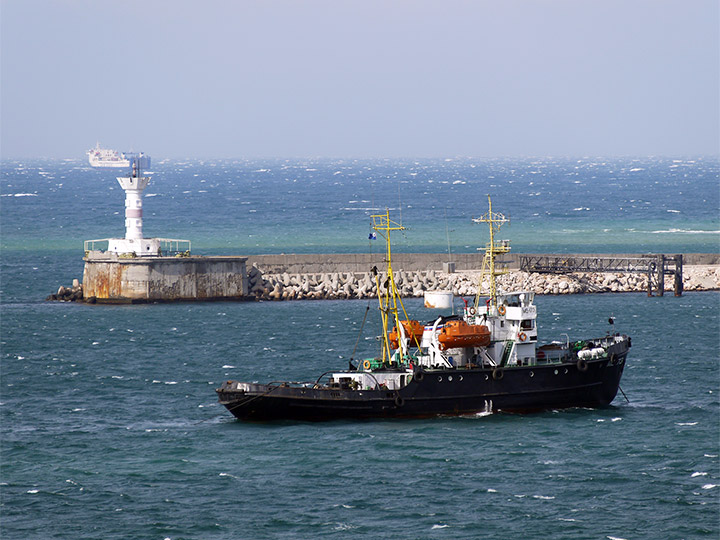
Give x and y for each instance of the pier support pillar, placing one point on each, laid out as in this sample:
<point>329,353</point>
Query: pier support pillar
<point>661,275</point>
<point>678,285</point>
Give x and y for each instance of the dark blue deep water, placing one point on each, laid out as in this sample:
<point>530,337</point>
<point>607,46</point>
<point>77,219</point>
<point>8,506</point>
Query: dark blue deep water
<point>109,426</point>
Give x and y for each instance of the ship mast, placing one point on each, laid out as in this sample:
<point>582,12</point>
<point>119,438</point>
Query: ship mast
<point>495,220</point>
<point>389,301</point>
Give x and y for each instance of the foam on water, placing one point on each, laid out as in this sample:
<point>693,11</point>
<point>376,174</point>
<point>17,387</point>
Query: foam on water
<point>136,427</point>
<point>459,186</point>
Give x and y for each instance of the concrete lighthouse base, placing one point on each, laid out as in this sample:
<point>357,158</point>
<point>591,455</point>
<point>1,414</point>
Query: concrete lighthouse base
<point>109,278</point>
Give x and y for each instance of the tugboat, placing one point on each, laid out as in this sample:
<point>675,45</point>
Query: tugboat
<point>486,359</point>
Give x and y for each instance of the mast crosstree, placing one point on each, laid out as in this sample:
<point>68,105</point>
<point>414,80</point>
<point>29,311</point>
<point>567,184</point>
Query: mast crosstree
<point>495,220</point>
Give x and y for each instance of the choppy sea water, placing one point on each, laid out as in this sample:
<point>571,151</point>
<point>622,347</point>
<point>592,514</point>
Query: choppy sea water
<point>110,429</point>
<point>555,205</point>
<point>108,418</point>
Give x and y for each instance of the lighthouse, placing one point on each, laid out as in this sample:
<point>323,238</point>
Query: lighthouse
<point>138,269</point>
<point>134,243</point>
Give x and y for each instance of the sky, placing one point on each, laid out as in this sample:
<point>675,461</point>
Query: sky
<point>359,78</point>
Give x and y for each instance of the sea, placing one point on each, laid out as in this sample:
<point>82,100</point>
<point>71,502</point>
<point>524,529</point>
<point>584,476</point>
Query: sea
<point>109,423</point>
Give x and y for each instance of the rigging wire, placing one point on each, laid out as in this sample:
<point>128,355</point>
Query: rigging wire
<point>399,202</point>
<point>367,309</point>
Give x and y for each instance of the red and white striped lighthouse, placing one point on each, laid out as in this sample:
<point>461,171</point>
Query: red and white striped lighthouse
<point>133,186</point>
<point>134,242</point>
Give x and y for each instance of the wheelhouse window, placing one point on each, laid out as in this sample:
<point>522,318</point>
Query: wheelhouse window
<point>527,324</point>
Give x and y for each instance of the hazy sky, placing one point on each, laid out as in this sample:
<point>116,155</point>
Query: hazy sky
<point>308,78</point>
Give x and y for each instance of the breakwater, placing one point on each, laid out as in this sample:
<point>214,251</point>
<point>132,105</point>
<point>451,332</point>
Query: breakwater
<point>348,285</point>
<point>347,276</point>
<point>308,263</point>
<point>73,293</point>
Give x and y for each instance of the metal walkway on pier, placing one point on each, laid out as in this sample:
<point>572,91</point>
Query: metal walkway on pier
<point>655,266</point>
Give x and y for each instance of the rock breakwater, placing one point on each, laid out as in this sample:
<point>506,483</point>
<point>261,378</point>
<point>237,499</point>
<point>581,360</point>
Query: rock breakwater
<point>358,285</point>
<point>68,294</point>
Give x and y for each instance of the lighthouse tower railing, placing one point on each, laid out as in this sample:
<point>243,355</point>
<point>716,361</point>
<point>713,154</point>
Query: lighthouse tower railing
<point>169,247</point>
<point>134,244</point>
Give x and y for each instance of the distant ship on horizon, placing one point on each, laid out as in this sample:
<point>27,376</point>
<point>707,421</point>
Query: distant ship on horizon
<point>104,157</point>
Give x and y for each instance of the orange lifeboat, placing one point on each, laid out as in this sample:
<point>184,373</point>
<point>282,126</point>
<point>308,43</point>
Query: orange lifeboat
<point>461,334</point>
<point>413,330</point>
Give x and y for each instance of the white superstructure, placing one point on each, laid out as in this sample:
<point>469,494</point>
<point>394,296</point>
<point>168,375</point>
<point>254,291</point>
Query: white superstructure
<point>103,157</point>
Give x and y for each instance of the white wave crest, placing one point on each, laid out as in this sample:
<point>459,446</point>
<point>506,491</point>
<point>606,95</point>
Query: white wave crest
<point>683,231</point>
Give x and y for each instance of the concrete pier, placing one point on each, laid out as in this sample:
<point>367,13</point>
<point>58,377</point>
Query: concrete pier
<point>112,278</point>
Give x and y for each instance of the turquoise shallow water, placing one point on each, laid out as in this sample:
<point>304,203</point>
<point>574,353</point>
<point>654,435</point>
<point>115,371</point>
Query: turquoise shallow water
<point>555,205</point>
<point>109,426</point>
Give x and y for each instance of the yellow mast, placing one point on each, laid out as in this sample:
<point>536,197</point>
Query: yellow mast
<point>494,220</point>
<point>389,301</point>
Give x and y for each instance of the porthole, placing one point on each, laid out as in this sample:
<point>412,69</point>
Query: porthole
<point>449,377</point>
<point>460,378</point>
<point>440,379</point>
<point>556,372</point>
<point>532,374</point>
